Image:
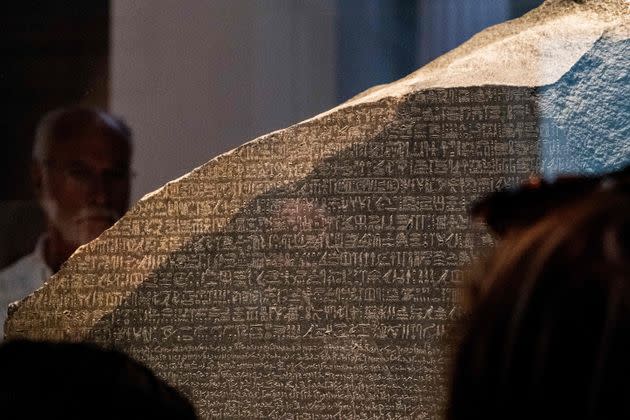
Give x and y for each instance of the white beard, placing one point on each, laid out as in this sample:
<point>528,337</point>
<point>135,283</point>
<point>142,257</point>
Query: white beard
<point>86,225</point>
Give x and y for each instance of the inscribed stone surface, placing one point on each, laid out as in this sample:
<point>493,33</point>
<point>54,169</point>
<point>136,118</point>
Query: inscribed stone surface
<point>313,272</point>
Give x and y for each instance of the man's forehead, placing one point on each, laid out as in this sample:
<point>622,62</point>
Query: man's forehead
<point>89,147</point>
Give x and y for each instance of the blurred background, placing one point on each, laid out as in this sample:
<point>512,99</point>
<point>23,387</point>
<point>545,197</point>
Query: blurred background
<point>196,78</point>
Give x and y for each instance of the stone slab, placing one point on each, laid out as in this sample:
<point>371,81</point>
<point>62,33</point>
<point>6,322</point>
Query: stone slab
<point>314,271</point>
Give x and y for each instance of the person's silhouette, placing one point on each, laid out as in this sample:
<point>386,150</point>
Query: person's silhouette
<point>81,176</point>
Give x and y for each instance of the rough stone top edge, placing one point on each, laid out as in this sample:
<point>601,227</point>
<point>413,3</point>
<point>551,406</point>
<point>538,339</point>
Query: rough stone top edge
<point>541,46</point>
<point>483,49</point>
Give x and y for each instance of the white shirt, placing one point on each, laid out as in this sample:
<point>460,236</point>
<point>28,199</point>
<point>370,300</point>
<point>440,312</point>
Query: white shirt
<point>22,278</point>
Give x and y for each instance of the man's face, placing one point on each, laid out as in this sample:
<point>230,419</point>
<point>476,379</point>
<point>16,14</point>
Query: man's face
<point>83,185</point>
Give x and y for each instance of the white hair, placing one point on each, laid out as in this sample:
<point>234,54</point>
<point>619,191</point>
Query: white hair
<point>79,117</point>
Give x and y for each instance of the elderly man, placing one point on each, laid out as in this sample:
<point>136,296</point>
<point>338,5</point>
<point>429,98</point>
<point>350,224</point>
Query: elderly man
<point>81,160</point>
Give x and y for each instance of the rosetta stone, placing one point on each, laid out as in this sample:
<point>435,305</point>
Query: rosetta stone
<point>314,271</point>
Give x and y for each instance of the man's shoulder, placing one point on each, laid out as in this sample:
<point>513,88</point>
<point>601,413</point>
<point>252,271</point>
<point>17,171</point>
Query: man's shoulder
<point>22,272</point>
<point>18,266</point>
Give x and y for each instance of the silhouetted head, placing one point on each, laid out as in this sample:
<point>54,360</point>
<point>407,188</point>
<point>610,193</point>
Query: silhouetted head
<point>79,381</point>
<point>547,331</point>
<point>81,172</point>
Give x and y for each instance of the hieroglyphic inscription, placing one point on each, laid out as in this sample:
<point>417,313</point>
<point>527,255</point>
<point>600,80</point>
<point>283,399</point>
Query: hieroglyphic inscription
<point>329,296</point>
<point>312,273</point>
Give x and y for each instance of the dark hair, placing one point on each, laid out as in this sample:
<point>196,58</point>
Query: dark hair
<point>80,381</point>
<point>548,328</point>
